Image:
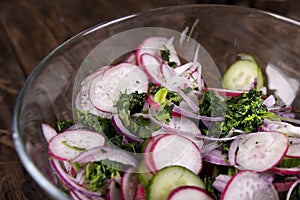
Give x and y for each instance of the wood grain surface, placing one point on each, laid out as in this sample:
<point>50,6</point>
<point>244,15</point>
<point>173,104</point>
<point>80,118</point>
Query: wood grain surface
<point>29,30</point>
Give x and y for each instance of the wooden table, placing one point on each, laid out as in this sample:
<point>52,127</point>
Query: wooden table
<point>28,31</point>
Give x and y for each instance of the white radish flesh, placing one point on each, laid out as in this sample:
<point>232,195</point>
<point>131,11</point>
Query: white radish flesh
<point>246,185</point>
<point>172,149</point>
<point>152,67</point>
<point>67,145</point>
<point>190,193</point>
<point>261,151</point>
<point>105,89</point>
<point>185,127</point>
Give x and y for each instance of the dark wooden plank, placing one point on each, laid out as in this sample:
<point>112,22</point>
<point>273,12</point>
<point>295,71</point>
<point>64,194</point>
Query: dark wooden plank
<point>30,37</point>
<point>15,182</point>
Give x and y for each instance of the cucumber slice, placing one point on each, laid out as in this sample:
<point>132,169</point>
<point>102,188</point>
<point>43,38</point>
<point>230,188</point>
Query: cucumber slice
<point>242,75</point>
<point>169,178</point>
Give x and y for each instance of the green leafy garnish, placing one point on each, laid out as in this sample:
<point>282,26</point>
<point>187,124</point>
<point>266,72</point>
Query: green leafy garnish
<point>97,174</point>
<point>245,112</point>
<point>165,55</point>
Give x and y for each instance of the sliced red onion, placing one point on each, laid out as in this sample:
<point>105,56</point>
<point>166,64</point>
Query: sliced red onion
<point>208,147</point>
<point>181,69</point>
<point>232,151</point>
<point>216,157</point>
<point>71,183</point>
<point>221,181</point>
<point>78,196</point>
<point>186,98</point>
<point>270,101</point>
<point>80,176</point>
<point>179,110</point>
<point>106,153</point>
<point>120,128</point>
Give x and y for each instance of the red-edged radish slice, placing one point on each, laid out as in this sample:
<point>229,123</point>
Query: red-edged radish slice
<point>82,100</point>
<point>294,148</point>
<point>113,192</point>
<point>261,151</point>
<point>48,132</point>
<point>140,193</point>
<point>285,170</point>
<point>190,193</point>
<point>183,125</point>
<point>154,45</point>
<point>129,184</point>
<point>226,92</point>
<point>172,149</point>
<point>148,154</point>
<point>152,67</point>
<point>67,145</point>
<point>246,185</point>
<point>105,89</point>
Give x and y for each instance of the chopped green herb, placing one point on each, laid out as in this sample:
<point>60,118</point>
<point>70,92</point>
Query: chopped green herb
<point>72,147</point>
<point>165,55</point>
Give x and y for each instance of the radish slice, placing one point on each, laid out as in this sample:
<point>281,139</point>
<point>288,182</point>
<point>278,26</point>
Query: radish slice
<point>148,154</point>
<point>246,185</point>
<point>152,67</point>
<point>48,132</point>
<point>154,45</point>
<point>183,124</point>
<point>190,193</point>
<point>129,184</point>
<point>226,92</point>
<point>67,145</point>
<point>294,148</point>
<point>261,151</point>
<point>105,89</point>
<point>82,100</point>
<point>140,193</point>
<point>286,171</point>
<point>172,149</point>
<point>113,193</point>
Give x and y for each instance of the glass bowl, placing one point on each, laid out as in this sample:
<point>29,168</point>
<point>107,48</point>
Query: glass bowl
<point>222,31</point>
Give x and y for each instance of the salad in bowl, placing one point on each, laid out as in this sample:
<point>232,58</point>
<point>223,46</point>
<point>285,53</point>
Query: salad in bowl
<point>149,127</point>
